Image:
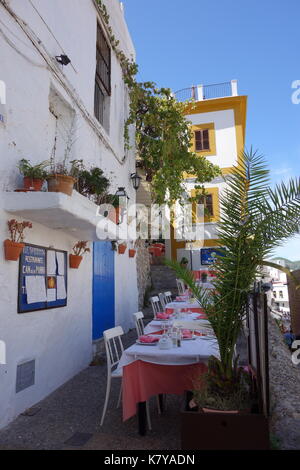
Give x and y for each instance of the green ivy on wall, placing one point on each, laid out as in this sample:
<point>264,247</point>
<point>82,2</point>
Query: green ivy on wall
<point>163,134</point>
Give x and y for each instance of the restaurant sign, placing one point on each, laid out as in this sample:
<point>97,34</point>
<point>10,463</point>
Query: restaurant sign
<point>42,279</point>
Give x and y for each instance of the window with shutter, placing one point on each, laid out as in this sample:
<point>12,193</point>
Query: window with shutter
<point>202,140</point>
<point>207,201</point>
<point>103,75</point>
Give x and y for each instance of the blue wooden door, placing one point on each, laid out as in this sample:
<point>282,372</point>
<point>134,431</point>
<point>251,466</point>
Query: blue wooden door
<point>103,288</point>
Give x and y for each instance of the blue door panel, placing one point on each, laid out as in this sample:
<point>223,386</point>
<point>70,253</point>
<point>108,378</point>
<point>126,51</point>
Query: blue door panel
<point>103,288</point>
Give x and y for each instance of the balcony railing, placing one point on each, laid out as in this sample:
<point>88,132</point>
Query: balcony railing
<point>207,92</point>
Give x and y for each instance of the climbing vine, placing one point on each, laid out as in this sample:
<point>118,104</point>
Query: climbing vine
<point>163,134</point>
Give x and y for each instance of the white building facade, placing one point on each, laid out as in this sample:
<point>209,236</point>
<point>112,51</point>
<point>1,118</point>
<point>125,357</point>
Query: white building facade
<point>46,103</point>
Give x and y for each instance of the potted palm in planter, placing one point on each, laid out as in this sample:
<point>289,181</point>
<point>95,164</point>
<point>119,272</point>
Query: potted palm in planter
<point>254,220</point>
<point>34,175</point>
<point>14,247</point>
<point>79,249</point>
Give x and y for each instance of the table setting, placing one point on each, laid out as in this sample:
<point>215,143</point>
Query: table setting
<point>165,359</point>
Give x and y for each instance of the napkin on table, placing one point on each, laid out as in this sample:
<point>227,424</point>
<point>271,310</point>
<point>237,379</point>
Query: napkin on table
<point>163,316</point>
<point>148,339</point>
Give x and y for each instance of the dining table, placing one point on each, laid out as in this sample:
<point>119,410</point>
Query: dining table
<point>150,371</point>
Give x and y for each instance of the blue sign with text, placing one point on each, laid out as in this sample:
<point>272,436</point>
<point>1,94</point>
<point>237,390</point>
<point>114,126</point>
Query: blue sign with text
<point>209,255</point>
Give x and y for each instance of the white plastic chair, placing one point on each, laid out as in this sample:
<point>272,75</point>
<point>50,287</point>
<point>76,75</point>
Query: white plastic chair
<point>168,296</point>
<point>162,300</point>
<point>155,304</point>
<point>180,286</point>
<point>114,350</point>
<point>139,325</point>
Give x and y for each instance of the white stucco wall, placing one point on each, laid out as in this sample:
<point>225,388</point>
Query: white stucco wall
<point>59,339</point>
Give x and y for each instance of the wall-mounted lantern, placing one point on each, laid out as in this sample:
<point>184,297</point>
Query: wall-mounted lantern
<point>62,59</point>
<point>136,180</point>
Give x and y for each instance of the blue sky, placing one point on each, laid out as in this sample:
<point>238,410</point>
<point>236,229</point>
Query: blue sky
<point>179,44</point>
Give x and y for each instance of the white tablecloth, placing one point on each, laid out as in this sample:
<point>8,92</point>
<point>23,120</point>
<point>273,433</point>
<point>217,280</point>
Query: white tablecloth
<point>190,352</point>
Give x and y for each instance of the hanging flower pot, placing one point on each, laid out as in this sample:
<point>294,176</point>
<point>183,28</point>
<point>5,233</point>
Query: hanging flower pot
<point>74,261</point>
<point>61,184</point>
<point>132,253</point>
<point>14,247</point>
<point>12,250</point>
<point>122,248</point>
<point>79,249</point>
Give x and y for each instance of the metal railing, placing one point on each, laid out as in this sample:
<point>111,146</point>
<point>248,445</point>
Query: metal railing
<point>187,94</point>
<point>205,92</point>
<point>218,90</point>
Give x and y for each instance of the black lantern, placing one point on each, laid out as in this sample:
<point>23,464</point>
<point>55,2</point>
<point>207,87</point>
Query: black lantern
<point>136,180</point>
<point>63,59</point>
<point>121,192</point>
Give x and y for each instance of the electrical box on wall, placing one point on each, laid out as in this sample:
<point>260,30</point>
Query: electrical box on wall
<point>25,375</point>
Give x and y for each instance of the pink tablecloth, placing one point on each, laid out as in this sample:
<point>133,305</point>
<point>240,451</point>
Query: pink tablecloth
<point>141,380</point>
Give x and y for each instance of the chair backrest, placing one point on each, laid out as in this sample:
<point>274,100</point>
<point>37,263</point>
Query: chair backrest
<point>162,300</point>
<point>113,346</point>
<point>139,325</point>
<point>180,286</point>
<point>168,296</point>
<point>155,305</point>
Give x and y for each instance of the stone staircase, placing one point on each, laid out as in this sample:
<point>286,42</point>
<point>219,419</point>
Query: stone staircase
<point>163,279</point>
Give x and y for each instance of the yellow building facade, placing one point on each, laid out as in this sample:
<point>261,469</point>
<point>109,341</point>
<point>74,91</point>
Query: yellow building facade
<point>218,129</point>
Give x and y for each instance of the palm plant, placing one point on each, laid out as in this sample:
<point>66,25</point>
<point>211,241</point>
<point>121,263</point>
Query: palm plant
<point>254,220</point>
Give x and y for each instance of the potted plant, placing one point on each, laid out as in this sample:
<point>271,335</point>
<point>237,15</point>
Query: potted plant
<point>61,179</point>
<point>122,248</point>
<point>14,247</point>
<point>33,175</point>
<point>255,219</point>
<point>132,250</point>
<point>79,249</point>
<point>91,183</point>
<point>184,262</point>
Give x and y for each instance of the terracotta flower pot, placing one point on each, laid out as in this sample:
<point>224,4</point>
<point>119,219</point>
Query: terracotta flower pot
<point>131,253</point>
<point>61,184</point>
<point>12,250</point>
<point>122,249</point>
<point>74,261</point>
<point>32,184</point>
